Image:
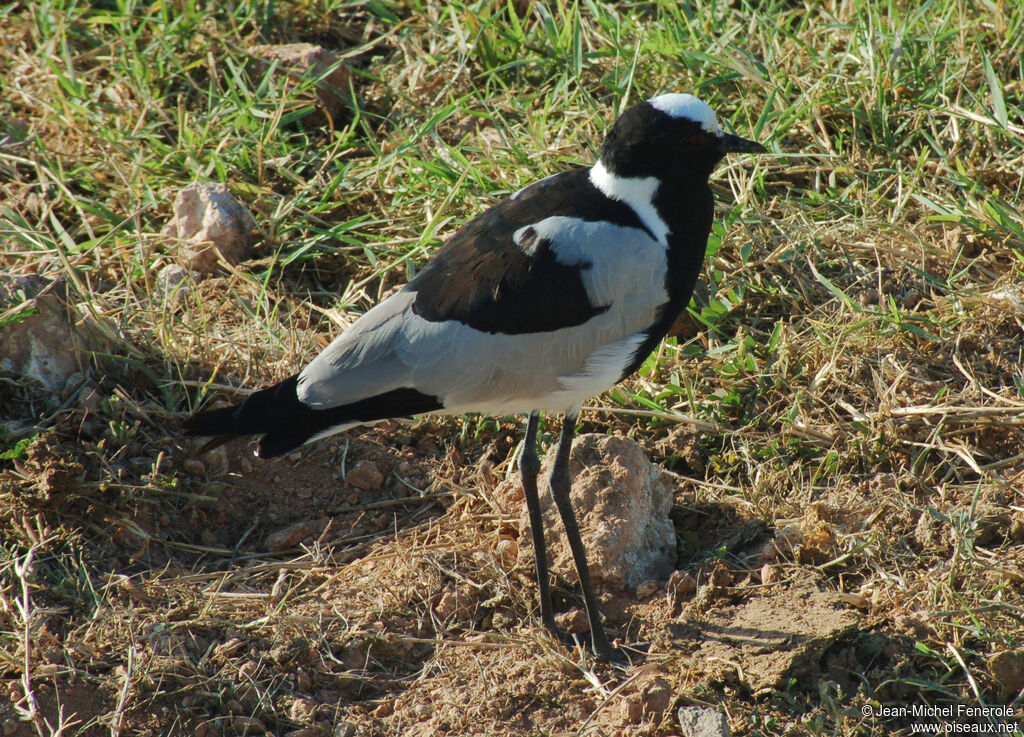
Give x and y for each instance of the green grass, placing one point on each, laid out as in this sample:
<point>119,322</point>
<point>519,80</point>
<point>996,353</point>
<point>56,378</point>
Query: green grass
<point>858,351</point>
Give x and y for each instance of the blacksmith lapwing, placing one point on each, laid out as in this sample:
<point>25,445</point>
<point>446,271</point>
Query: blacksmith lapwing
<point>549,297</point>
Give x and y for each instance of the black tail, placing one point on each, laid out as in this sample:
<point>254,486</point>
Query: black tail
<point>286,423</point>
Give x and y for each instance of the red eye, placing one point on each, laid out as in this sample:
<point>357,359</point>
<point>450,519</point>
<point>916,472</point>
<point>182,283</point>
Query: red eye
<point>697,139</point>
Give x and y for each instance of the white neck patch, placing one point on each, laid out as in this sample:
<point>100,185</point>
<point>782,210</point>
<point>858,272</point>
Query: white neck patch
<point>677,105</point>
<point>637,192</point>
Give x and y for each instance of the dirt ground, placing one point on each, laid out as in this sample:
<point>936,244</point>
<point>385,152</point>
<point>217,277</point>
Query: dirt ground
<point>360,586</point>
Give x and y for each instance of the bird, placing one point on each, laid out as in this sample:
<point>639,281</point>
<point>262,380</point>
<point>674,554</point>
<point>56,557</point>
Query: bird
<point>549,297</point>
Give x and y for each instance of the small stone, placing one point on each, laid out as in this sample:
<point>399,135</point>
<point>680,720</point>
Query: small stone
<point>216,460</point>
<point>616,607</point>
<point>384,709</point>
<point>575,621</point>
<point>647,588</point>
<point>455,604</point>
<point>294,652</point>
<point>344,729</point>
<point>194,467</point>
<point>306,60</point>
<point>248,725</point>
<point>680,584</point>
<point>287,538</point>
<point>39,340</point>
<point>700,721</point>
<point>1017,528</point>
<point>173,282</point>
<point>769,553</point>
<point>210,225</point>
<point>657,697</point>
<point>313,730</point>
<point>507,552</point>
<point>633,709</point>
<point>303,681</point>
<point>227,649</point>
<point>303,710</point>
<point>310,731</point>
<point>365,475</point>
<point>770,574</point>
<point>47,670</point>
<point>868,297</point>
<point>1007,667</point>
<point>209,538</point>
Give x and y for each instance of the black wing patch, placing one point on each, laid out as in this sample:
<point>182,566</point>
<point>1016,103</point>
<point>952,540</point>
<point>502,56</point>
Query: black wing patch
<point>484,279</point>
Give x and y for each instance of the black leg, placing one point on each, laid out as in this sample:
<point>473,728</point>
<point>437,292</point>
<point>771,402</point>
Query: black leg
<point>529,467</point>
<point>561,485</point>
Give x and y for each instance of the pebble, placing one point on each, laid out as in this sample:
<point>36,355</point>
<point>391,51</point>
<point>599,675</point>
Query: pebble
<point>575,621</point>
<point>646,588</point>
<point>507,552</point>
<point>248,725</point>
<point>365,475</point>
<point>194,467</point>
<point>700,721</point>
<point>302,710</point>
<point>287,538</point>
<point>344,729</point>
<point>1007,667</point>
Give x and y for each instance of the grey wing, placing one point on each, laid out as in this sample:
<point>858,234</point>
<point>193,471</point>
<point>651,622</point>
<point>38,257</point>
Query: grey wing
<point>393,347</point>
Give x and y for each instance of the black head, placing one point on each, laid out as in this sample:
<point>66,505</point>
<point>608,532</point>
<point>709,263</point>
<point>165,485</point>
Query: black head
<point>670,137</point>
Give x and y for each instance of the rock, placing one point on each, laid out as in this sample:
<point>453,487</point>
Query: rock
<point>680,585</point>
<point>456,605</point>
<point>622,502</point>
<point>365,475</point>
<point>193,467</point>
<point>248,725</point>
<point>700,721</point>
<point>657,697</point>
<point>303,710</point>
<point>314,730</point>
<point>292,653</point>
<point>575,621</point>
<point>1007,667</point>
<point>38,338</point>
<point>174,282</point>
<point>507,552</point>
<point>633,709</point>
<point>647,588</point>
<point>305,61</point>
<point>210,225</point>
<point>208,538</point>
<point>770,574</point>
<point>287,538</point>
<point>345,729</point>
